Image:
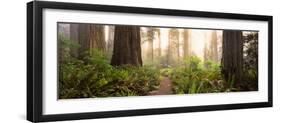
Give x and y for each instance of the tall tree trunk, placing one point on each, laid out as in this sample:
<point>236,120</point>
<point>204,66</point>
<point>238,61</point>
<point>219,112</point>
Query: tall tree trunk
<point>97,37</point>
<point>177,38</point>
<point>84,39</point>
<point>150,37</point>
<point>174,44</point>
<point>127,46</point>
<point>90,37</point>
<point>74,36</point>
<point>232,56</point>
<point>110,40</point>
<point>178,48</point>
<point>74,32</point>
<point>186,44</point>
<point>159,43</point>
<point>206,52</point>
<point>214,47</point>
<point>169,49</point>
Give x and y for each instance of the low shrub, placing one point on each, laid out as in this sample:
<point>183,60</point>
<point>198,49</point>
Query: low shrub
<point>93,76</point>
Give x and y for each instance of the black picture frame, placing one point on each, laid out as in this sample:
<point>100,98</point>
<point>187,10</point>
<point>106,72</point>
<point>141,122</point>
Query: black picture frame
<point>34,60</point>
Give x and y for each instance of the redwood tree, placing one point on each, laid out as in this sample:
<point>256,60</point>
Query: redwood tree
<point>91,36</point>
<point>186,44</point>
<point>150,37</point>
<point>232,56</point>
<point>83,38</point>
<point>214,46</point>
<point>127,46</point>
<point>97,38</point>
<point>173,46</point>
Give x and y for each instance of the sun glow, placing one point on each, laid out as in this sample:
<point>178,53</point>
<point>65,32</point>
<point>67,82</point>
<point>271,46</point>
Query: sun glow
<point>199,38</point>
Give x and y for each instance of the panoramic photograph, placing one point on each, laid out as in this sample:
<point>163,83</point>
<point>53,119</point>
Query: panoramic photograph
<point>100,60</point>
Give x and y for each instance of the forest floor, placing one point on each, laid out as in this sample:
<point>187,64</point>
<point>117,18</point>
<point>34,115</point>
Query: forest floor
<point>165,87</point>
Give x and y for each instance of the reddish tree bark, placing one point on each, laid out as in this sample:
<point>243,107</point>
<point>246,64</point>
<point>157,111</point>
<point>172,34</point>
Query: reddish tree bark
<point>232,56</point>
<point>127,46</point>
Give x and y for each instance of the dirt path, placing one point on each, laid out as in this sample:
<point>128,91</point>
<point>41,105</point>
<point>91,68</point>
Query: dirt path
<point>165,87</point>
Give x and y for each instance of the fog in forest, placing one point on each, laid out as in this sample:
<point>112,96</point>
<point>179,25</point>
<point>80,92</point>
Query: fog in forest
<point>122,60</point>
<point>157,43</point>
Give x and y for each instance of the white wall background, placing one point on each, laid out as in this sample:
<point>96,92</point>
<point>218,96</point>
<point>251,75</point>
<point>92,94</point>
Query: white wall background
<point>13,61</point>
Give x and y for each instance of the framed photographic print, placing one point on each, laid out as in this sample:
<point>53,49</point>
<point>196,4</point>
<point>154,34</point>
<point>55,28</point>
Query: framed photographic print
<point>94,61</point>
